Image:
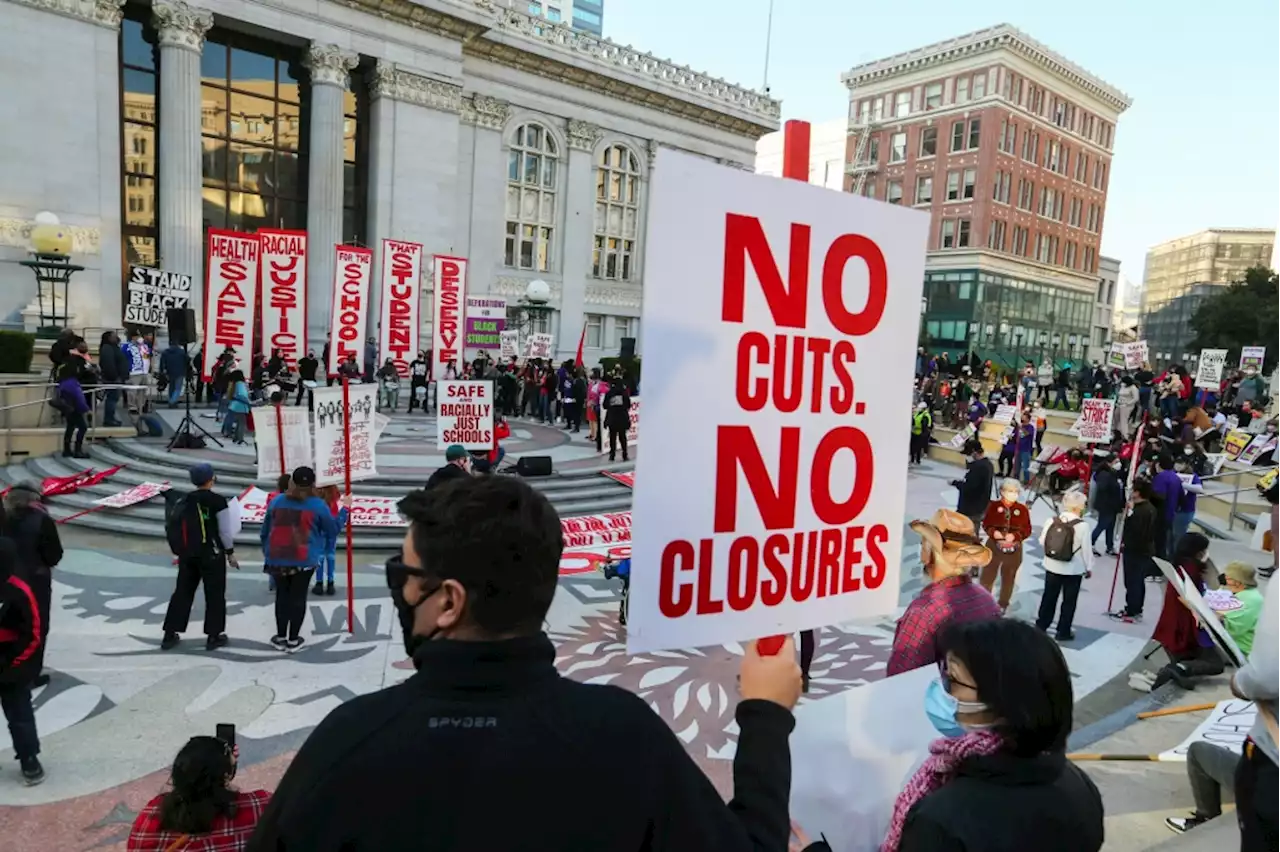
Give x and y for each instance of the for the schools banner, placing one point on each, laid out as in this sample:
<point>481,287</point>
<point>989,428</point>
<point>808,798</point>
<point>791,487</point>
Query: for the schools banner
<point>284,294</point>
<point>231,291</point>
<point>449,283</point>
<point>401,314</point>
<point>349,317</point>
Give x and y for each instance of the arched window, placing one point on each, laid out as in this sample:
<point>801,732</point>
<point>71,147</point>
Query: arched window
<point>531,198</point>
<point>617,212</point>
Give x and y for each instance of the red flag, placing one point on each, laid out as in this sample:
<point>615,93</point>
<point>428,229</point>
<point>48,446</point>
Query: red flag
<point>582,339</point>
<point>55,485</point>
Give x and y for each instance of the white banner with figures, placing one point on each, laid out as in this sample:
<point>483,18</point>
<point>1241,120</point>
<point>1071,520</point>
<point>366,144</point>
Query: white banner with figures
<point>540,345</point>
<point>151,292</point>
<point>331,418</point>
<point>294,424</point>
<point>465,415</point>
<point>1226,726</point>
<point>1093,425</point>
<point>1252,356</point>
<point>779,474</point>
<point>509,343</point>
<point>1209,368</point>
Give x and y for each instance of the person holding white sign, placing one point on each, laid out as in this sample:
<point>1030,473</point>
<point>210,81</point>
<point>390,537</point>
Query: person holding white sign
<point>1256,776</point>
<point>480,742</point>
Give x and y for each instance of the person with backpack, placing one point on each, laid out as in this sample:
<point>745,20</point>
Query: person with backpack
<point>1068,556</point>
<point>201,528</point>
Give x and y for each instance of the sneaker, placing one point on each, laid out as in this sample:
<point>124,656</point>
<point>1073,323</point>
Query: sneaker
<point>1112,552</point>
<point>1181,825</point>
<point>1126,617</point>
<point>328,588</point>
<point>1064,637</point>
<point>294,645</point>
<point>215,642</point>
<point>170,640</point>
<point>280,642</point>
<point>1095,552</point>
<point>32,771</point>
<point>41,680</point>
<point>317,589</point>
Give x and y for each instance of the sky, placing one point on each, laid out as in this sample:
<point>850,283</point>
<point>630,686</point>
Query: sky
<point>1197,149</point>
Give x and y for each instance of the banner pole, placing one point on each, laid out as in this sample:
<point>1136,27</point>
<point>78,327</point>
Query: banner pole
<point>1133,470</point>
<point>280,439</point>
<point>346,463</point>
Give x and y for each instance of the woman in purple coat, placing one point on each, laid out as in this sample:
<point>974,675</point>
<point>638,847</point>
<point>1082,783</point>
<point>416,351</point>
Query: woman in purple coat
<point>70,390</point>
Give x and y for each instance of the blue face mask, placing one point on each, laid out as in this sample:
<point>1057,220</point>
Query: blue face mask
<point>941,708</point>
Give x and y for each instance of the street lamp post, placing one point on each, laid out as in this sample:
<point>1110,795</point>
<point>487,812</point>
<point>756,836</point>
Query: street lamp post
<point>51,263</point>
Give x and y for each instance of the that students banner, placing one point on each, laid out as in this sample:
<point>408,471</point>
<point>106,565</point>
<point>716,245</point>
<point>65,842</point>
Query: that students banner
<point>231,291</point>
<point>284,294</point>
<point>792,516</point>
<point>349,317</point>
<point>449,283</point>
<point>401,315</point>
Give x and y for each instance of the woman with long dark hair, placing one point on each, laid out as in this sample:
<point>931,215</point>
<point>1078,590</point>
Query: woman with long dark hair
<point>1191,652</point>
<point>200,811</point>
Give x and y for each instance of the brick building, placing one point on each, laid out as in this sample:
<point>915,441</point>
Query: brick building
<point>1008,145</point>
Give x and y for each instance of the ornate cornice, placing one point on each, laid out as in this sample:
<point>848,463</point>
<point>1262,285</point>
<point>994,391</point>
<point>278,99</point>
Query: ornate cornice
<point>106,13</point>
<point>16,233</point>
<point>584,135</point>
<point>484,111</point>
<point>181,25</point>
<point>397,84</point>
<point>615,295</point>
<point>989,40</point>
<point>329,64</point>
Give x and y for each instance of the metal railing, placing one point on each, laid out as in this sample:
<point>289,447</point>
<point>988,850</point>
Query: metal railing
<point>92,394</point>
<point>1234,493</point>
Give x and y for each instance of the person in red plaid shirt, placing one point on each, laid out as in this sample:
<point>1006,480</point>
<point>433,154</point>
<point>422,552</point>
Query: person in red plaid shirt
<point>201,813</point>
<point>949,550</point>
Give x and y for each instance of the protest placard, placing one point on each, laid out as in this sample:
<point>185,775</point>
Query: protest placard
<point>540,345</point>
<point>1259,445</point>
<point>295,426</point>
<point>633,431</point>
<point>449,293</point>
<point>1252,356</point>
<point>130,496</point>
<point>1135,354</point>
<point>150,293</point>
<point>1226,726</point>
<point>465,415</point>
<point>401,320</point>
<point>966,432</point>
<point>1235,443</point>
<point>284,293</point>
<point>139,352</point>
<point>231,295</point>
<point>1115,357</point>
<point>509,341</point>
<point>763,514</point>
<point>1209,368</point>
<point>1005,413</point>
<point>330,418</point>
<point>486,320</point>
<point>352,269</point>
<point>1093,425</point>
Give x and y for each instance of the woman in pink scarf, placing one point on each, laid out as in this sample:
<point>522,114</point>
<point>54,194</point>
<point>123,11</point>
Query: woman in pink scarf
<point>998,780</point>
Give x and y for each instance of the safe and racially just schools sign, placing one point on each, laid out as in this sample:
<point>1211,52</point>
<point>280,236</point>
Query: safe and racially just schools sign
<point>150,294</point>
<point>465,414</point>
<point>769,512</point>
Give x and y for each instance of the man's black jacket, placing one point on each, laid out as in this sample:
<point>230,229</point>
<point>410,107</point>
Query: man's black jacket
<point>446,473</point>
<point>975,488</point>
<point>488,748</point>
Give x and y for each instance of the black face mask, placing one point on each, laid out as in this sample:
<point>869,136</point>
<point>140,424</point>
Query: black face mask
<point>412,642</point>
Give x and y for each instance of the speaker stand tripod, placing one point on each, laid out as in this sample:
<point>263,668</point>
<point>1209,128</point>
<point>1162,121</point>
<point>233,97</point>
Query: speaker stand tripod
<point>188,425</point>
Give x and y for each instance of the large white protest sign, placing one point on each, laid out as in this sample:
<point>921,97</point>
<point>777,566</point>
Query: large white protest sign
<point>765,512</point>
<point>858,750</point>
<point>295,425</point>
<point>449,294</point>
<point>540,345</point>
<point>465,415</point>
<point>510,343</point>
<point>401,320</point>
<point>130,496</point>
<point>1226,726</point>
<point>331,417</point>
<point>366,510</point>
<point>1252,356</point>
<point>1136,354</point>
<point>1094,423</point>
<point>633,431</point>
<point>150,293</point>
<point>1115,357</point>
<point>284,294</point>
<point>1209,368</point>
<point>1208,619</point>
<point>230,295</point>
<point>352,268</point>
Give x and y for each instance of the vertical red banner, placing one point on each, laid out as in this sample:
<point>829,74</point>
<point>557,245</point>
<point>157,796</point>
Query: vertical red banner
<point>230,295</point>
<point>284,294</point>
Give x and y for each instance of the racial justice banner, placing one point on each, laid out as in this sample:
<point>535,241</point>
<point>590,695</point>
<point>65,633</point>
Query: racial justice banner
<point>401,315</point>
<point>1252,356</point>
<point>333,420</point>
<point>486,321</point>
<point>449,293</point>
<point>284,294</point>
<point>792,516</point>
<point>231,291</point>
<point>1209,368</point>
<point>149,293</point>
<point>349,316</point>
<point>465,414</point>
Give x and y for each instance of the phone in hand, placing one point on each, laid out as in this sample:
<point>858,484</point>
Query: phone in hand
<point>226,733</point>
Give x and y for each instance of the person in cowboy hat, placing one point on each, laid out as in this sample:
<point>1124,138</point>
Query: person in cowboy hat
<point>949,550</point>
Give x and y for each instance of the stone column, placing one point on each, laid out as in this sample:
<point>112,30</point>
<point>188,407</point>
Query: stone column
<point>181,30</point>
<point>329,66</point>
<point>579,224</point>
<point>488,180</point>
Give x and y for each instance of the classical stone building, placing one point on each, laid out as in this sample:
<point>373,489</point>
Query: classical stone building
<point>476,130</point>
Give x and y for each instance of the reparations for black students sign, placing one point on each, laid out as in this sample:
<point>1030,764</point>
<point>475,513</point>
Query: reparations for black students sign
<point>772,499</point>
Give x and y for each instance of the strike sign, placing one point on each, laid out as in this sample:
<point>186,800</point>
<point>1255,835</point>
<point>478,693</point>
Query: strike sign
<point>449,277</point>
<point>401,277</point>
<point>284,294</point>
<point>466,415</point>
<point>349,317</point>
<point>779,506</point>
<point>1094,423</point>
<point>231,294</point>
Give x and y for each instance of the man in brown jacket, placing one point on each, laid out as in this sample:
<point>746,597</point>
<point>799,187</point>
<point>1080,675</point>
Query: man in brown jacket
<point>1007,523</point>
